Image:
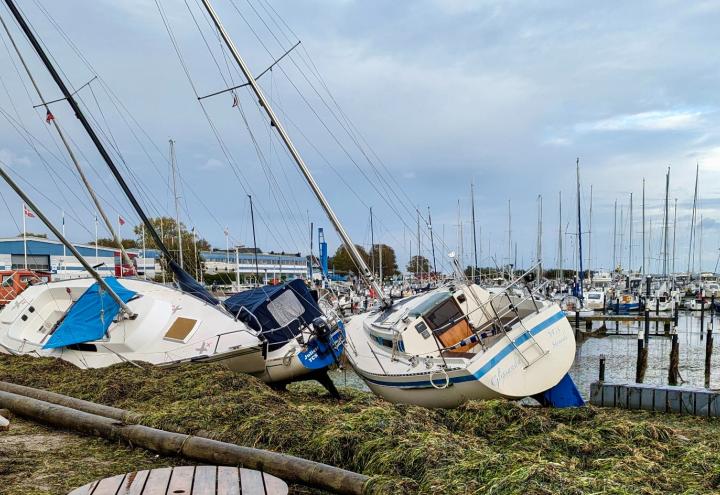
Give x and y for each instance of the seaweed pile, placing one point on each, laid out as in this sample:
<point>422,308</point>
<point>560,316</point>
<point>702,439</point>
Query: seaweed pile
<point>497,447</point>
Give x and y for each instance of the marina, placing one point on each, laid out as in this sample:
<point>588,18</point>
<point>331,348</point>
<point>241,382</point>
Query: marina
<point>215,280</point>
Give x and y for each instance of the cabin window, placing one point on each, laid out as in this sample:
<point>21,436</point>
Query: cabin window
<point>286,308</point>
<point>443,313</point>
<point>180,329</point>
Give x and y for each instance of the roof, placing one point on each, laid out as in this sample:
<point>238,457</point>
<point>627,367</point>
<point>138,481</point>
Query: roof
<point>42,246</point>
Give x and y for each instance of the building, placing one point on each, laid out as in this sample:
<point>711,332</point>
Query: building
<point>48,255</point>
<point>270,266</point>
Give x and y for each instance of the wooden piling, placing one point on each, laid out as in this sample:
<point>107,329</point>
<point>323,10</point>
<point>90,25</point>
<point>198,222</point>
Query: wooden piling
<point>601,371</point>
<point>641,363</point>
<point>205,450</point>
<point>674,368</point>
<point>708,354</point>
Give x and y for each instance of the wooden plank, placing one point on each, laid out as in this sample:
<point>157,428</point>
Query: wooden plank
<point>251,482</point>
<point>157,482</point>
<point>205,477</point>
<point>181,480</point>
<point>228,481</point>
<point>109,486</point>
<point>85,489</point>
<point>134,483</point>
<point>274,485</point>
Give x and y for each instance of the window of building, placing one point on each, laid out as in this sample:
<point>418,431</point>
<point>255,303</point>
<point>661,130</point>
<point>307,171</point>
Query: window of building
<point>40,262</point>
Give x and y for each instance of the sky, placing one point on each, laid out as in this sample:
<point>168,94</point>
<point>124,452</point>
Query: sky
<point>415,101</point>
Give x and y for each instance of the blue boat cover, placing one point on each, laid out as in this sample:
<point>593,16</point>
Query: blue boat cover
<point>564,394</point>
<point>280,310</point>
<point>191,286</point>
<point>90,317</point>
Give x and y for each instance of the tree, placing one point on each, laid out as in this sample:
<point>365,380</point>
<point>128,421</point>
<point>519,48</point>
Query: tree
<point>343,263</point>
<point>110,243</point>
<point>32,234</point>
<point>389,262</point>
<point>416,261</point>
<point>166,227</point>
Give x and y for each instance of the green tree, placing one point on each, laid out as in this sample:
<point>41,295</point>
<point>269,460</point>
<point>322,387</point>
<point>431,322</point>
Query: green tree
<point>110,243</point>
<point>342,262</point>
<point>166,227</point>
<point>389,261</point>
<point>33,234</point>
<point>416,261</point>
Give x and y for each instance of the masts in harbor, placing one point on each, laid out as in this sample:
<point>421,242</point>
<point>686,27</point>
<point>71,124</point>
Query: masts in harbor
<point>432,244</point>
<point>560,237</point>
<point>472,214</point>
<point>643,227</point>
<point>666,231</point>
<point>539,240</point>
<point>690,268</point>
<point>275,122</point>
<point>176,197</point>
<point>255,249</point>
<point>510,248</point>
<point>630,243</point>
<point>614,250</point>
<point>581,273</point>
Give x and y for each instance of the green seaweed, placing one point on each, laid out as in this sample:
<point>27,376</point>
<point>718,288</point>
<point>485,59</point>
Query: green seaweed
<point>497,447</point>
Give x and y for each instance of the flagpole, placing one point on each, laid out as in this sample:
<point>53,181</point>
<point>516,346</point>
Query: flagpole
<point>144,254</point>
<point>24,235</point>
<point>63,233</point>
<point>120,239</point>
<point>97,257</point>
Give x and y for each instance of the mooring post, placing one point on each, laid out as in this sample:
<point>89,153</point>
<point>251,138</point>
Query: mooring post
<point>673,369</point>
<point>647,310</point>
<point>601,373</point>
<point>708,353</point>
<point>641,363</point>
<point>676,308</point>
<point>577,323</point>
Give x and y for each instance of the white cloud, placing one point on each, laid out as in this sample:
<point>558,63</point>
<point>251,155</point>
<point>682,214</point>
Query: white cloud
<point>212,164</point>
<point>645,121</point>
<point>12,160</point>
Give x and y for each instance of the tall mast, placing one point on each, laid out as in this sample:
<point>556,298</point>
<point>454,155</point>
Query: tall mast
<point>674,239</point>
<point>71,154</point>
<point>589,258</point>
<point>417,256</point>
<point>472,213</point>
<point>510,249</point>
<point>128,312</point>
<point>274,121</point>
<point>630,244</point>
<point>614,258</point>
<point>666,236</point>
<point>581,274</point>
<point>643,227</point>
<point>432,241</point>
<point>177,202</point>
<point>68,96</point>
<point>255,250</point>
<point>692,223</point>
<point>539,240</point>
<point>560,237</point>
<point>372,244</point>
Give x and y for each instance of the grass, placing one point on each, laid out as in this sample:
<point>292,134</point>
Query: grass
<point>495,447</point>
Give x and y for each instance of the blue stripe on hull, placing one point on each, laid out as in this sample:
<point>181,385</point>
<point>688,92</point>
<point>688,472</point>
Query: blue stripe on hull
<point>486,368</point>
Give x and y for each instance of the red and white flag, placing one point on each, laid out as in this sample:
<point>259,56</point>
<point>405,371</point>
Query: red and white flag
<point>28,213</point>
<point>121,220</point>
<point>49,117</point>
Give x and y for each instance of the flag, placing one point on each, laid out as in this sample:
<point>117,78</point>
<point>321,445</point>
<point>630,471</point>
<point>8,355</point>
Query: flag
<point>121,220</point>
<point>235,100</point>
<point>49,117</point>
<point>28,212</point>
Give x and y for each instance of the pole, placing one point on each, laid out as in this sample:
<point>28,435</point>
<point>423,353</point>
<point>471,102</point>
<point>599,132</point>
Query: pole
<point>24,214</point>
<point>62,239</point>
<point>630,244</point>
<point>560,238</point>
<point>665,230</point>
<point>643,227</point>
<point>539,240</point>
<point>177,206</point>
<point>372,243</point>
<point>274,121</point>
<point>692,222</point>
<point>432,242</point>
<point>581,275</point>
<point>252,220</point>
<point>614,251</point>
<point>674,243</point>
<point>472,213</point>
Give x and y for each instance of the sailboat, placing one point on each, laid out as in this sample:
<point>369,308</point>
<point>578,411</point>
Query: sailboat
<point>279,339</point>
<point>450,344</point>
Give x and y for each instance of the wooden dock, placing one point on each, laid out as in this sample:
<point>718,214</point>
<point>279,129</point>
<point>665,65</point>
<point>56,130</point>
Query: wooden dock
<point>625,318</point>
<point>660,398</point>
<point>188,480</point>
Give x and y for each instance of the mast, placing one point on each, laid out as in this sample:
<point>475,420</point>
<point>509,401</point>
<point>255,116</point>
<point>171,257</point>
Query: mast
<point>630,244</point>
<point>27,201</point>
<point>417,256</point>
<point>666,236</point>
<point>539,239</point>
<point>560,237</point>
<point>674,239</point>
<point>692,223</point>
<point>255,250</point>
<point>581,274</point>
<point>177,203</point>
<point>68,96</point>
<point>372,243</point>
<point>643,227</point>
<point>472,213</point>
<point>275,122</point>
<point>432,242</point>
<point>589,258</point>
<point>53,121</point>
<point>614,258</point>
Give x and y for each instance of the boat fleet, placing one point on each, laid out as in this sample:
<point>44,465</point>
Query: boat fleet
<point>437,346</point>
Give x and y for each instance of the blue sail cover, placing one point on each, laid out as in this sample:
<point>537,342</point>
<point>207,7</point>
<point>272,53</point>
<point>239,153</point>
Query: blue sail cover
<point>191,286</point>
<point>90,317</point>
<point>281,310</point>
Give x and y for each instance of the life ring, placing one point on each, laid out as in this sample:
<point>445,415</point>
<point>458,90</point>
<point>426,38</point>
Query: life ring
<point>447,379</point>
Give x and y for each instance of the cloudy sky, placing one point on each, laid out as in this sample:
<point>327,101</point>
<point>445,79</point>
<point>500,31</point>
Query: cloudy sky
<point>415,100</point>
